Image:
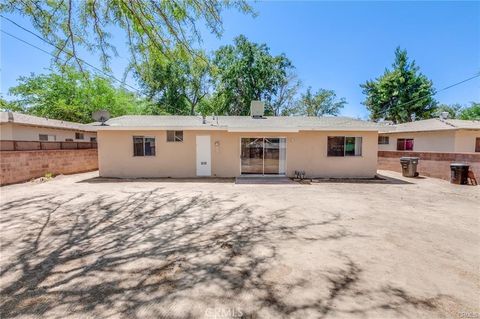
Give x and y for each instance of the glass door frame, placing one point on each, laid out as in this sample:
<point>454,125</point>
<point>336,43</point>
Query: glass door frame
<point>263,155</point>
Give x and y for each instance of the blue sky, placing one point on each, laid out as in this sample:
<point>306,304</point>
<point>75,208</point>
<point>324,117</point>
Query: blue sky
<point>333,45</point>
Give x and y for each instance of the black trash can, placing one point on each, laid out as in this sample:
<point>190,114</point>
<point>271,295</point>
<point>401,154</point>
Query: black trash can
<point>409,166</point>
<point>459,173</point>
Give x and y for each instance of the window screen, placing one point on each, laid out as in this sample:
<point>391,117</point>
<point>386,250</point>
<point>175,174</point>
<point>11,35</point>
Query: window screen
<point>143,146</point>
<point>405,144</point>
<point>336,146</point>
<point>383,140</point>
<point>174,136</point>
<point>344,146</point>
<point>43,137</point>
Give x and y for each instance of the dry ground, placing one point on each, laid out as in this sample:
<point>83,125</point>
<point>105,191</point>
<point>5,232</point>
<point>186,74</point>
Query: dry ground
<point>84,247</point>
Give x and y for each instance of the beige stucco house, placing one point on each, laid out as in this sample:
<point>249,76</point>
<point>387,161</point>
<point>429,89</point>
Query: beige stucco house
<point>21,127</point>
<point>230,146</point>
<point>432,135</point>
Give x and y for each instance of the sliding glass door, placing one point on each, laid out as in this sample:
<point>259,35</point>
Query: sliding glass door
<point>264,156</point>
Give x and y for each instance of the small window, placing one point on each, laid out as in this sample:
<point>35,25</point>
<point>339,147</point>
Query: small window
<point>46,137</point>
<point>477,144</point>
<point>174,136</point>
<point>143,146</point>
<point>93,139</point>
<point>79,136</point>
<point>405,144</point>
<point>383,140</point>
<point>344,146</point>
<point>69,140</point>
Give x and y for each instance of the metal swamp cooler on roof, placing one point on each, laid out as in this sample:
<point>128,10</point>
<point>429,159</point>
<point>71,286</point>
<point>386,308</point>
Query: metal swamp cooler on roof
<point>257,109</point>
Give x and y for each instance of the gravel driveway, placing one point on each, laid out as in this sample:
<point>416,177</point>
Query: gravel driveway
<point>84,247</point>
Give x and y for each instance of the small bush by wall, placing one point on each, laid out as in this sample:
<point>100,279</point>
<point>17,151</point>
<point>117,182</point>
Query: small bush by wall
<point>20,166</point>
<point>433,164</point>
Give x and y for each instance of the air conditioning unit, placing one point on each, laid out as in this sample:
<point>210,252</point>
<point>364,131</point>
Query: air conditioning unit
<point>257,109</point>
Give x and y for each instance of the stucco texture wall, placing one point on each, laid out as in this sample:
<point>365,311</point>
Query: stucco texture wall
<point>16,132</point>
<point>305,151</point>
<point>436,141</point>
<point>20,166</point>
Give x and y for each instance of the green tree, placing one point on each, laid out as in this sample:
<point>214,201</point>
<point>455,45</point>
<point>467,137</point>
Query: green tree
<point>246,71</point>
<point>150,27</point>
<point>284,98</point>
<point>400,93</point>
<point>176,86</point>
<point>72,96</point>
<point>471,113</point>
<point>322,102</point>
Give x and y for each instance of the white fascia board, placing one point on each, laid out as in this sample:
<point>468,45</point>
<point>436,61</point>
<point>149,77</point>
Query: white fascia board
<point>262,130</point>
<point>160,128</point>
<point>343,129</point>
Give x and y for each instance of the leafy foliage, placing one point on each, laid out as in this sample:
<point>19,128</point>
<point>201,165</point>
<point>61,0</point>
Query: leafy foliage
<point>322,102</point>
<point>244,72</point>
<point>471,113</point>
<point>150,27</point>
<point>400,93</point>
<point>285,97</point>
<point>176,86</point>
<point>73,96</point>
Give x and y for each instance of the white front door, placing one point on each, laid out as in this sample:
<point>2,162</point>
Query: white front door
<point>204,167</point>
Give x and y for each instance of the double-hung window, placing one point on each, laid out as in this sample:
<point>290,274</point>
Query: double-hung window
<point>143,146</point>
<point>344,146</point>
<point>383,140</point>
<point>405,144</point>
<point>79,136</point>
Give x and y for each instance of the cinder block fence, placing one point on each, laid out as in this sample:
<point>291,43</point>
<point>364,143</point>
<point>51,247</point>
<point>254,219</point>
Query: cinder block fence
<point>20,166</point>
<point>433,164</point>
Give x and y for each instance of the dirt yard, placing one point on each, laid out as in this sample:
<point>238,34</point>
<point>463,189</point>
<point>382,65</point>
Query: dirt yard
<point>84,247</point>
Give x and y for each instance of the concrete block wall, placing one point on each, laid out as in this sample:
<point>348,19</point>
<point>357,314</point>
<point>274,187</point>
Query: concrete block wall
<point>21,166</point>
<point>433,164</point>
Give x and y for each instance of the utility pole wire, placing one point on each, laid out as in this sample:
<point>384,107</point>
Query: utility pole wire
<point>61,50</point>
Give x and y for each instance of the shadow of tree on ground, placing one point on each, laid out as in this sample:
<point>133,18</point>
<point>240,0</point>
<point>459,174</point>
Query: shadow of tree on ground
<point>156,253</point>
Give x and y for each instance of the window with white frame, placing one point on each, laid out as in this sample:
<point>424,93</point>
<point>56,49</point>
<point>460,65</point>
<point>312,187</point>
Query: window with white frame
<point>383,139</point>
<point>405,144</point>
<point>143,146</point>
<point>46,137</point>
<point>174,136</point>
<point>344,146</point>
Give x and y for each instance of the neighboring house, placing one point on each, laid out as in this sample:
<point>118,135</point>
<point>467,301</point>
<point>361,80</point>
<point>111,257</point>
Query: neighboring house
<point>432,135</point>
<point>230,146</point>
<point>22,127</point>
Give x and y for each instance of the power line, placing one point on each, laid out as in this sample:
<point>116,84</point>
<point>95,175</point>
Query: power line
<point>61,50</point>
<point>436,92</point>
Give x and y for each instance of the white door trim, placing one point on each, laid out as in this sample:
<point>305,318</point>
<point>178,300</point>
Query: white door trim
<point>203,155</point>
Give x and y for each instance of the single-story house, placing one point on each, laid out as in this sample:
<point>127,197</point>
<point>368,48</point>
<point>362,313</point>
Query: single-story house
<point>21,127</point>
<point>432,135</point>
<point>230,146</point>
